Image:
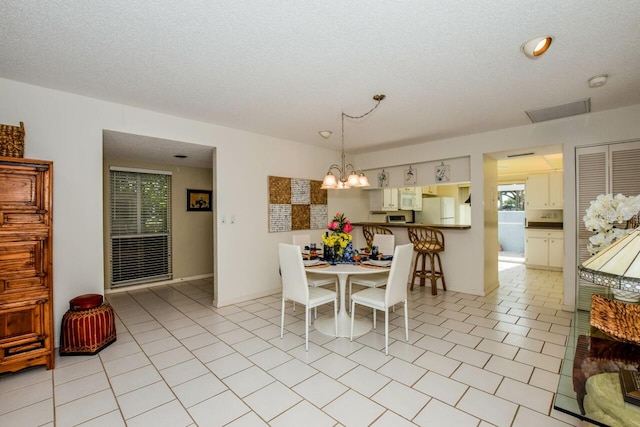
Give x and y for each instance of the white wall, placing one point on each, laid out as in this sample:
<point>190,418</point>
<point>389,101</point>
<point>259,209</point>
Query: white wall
<point>616,125</point>
<point>67,129</point>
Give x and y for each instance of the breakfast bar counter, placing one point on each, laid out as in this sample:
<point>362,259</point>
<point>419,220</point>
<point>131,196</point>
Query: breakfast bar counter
<point>458,251</point>
<point>413,224</point>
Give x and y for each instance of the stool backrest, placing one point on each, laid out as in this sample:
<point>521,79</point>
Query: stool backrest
<point>426,239</point>
<point>371,230</point>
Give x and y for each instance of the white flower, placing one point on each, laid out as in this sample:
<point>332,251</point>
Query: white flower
<point>606,216</point>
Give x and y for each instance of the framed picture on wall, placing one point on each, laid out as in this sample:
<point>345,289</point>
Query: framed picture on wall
<point>410,176</point>
<point>198,200</point>
<point>443,173</point>
<point>383,179</point>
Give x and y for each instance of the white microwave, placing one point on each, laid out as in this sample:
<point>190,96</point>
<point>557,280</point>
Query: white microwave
<point>407,201</point>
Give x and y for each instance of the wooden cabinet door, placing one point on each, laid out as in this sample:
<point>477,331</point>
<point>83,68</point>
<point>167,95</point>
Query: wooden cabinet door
<point>390,199</point>
<point>536,249</point>
<point>24,197</point>
<point>556,197</point>
<point>25,333</point>
<point>537,191</point>
<point>24,264</point>
<point>556,252</point>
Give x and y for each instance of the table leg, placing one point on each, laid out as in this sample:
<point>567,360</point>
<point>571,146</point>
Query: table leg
<point>325,323</point>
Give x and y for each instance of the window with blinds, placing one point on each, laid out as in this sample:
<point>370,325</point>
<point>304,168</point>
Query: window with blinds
<point>140,212</point>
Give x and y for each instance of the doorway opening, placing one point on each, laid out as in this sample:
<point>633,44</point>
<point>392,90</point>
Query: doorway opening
<point>511,222</point>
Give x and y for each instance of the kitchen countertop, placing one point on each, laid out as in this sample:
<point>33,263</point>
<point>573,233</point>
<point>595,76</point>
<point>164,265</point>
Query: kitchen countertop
<point>405,225</point>
<point>544,225</point>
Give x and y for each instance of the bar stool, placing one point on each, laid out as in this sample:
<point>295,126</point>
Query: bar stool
<point>370,231</point>
<point>428,242</point>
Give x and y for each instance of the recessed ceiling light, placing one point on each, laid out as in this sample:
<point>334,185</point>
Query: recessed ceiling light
<point>598,80</point>
<point>534,48</point>
<point>325,133</point>
<point>180,156</point>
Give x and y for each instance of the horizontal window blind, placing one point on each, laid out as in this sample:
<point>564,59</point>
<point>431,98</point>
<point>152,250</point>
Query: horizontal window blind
<point>140,215</point>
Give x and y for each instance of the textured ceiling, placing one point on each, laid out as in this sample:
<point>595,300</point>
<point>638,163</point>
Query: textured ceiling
<point>288,68</point>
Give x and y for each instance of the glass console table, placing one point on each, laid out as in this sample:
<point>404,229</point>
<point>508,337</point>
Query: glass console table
<point>590,353</point>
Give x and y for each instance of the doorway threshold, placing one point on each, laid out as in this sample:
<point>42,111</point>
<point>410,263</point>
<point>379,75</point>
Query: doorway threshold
<point>514,257</point>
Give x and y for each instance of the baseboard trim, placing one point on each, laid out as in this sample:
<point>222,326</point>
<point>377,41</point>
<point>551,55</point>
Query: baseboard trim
<point>151,285</point>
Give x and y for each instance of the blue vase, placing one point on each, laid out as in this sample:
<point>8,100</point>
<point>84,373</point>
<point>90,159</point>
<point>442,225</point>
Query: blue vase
<point>347,254</point>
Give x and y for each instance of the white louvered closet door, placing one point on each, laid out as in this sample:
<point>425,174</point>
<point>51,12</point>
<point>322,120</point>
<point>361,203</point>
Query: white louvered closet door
<point>610,168</point>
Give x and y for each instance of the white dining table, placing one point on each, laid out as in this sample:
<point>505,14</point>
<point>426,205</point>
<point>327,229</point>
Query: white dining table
<point>325,323</point>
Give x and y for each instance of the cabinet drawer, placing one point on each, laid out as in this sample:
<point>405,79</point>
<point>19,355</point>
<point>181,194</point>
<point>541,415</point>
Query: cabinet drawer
<point>23,187</point>
<point>545,234</point>
<point>15,218</point>
<point>21,285</point>
<point>24,260</point>
<point>22,329</point>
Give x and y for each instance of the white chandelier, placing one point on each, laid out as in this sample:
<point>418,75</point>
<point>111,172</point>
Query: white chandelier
<point>354,179</point>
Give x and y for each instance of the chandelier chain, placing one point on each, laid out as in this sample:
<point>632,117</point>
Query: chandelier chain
<point>345,178</point>
<point>378,98</point>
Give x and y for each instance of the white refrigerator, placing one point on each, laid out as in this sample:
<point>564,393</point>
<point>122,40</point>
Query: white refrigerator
<point>437,210</point>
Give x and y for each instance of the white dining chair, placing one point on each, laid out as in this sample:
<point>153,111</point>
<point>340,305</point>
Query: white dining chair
<point>295,288</point>
<point>313,279</point>
<point>387,243</point>
<point>394,293</point>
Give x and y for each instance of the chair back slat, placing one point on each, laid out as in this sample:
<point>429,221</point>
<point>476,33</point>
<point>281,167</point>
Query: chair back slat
<point>301,240</point>
<point>294,277</point>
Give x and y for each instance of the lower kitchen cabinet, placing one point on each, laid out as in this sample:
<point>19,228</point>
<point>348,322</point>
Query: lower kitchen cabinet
<point>544,249</point>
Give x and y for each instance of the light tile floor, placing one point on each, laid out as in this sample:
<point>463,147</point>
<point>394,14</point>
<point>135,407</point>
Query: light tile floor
<point>179,361</point>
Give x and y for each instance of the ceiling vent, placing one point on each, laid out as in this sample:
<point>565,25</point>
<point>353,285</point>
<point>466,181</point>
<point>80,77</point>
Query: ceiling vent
<point>520,155</point>
<point>560,111</point>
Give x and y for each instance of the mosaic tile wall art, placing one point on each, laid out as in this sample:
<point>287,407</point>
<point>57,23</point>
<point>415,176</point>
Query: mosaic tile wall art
<point>296,204</point>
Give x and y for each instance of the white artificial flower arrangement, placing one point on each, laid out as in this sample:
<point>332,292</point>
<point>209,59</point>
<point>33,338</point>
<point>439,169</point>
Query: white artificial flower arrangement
<point>607,216</point>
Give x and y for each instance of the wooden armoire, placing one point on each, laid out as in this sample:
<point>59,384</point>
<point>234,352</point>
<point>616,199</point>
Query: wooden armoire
<point>26,285</point>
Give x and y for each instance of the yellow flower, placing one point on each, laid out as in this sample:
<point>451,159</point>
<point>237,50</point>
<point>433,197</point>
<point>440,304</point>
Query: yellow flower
<point>334,240</point>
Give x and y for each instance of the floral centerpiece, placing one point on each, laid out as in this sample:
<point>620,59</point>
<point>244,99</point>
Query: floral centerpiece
<point>607,217</point>
<point>338,239</point>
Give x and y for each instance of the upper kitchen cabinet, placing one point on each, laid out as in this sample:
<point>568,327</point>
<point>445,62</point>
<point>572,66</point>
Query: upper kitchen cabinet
<point>430,190</point>
<point>383,200</point>
<point>544,191</point>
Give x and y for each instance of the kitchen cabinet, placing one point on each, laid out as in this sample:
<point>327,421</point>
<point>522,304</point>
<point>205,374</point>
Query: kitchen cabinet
<point>410,198</point>
<point>556,196</point>
<point>26,288</point>
<point>390,199</point>
<point>385,200</point>
<point>544,191</point>
<point>431,190</point>
<point>544,249</point>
